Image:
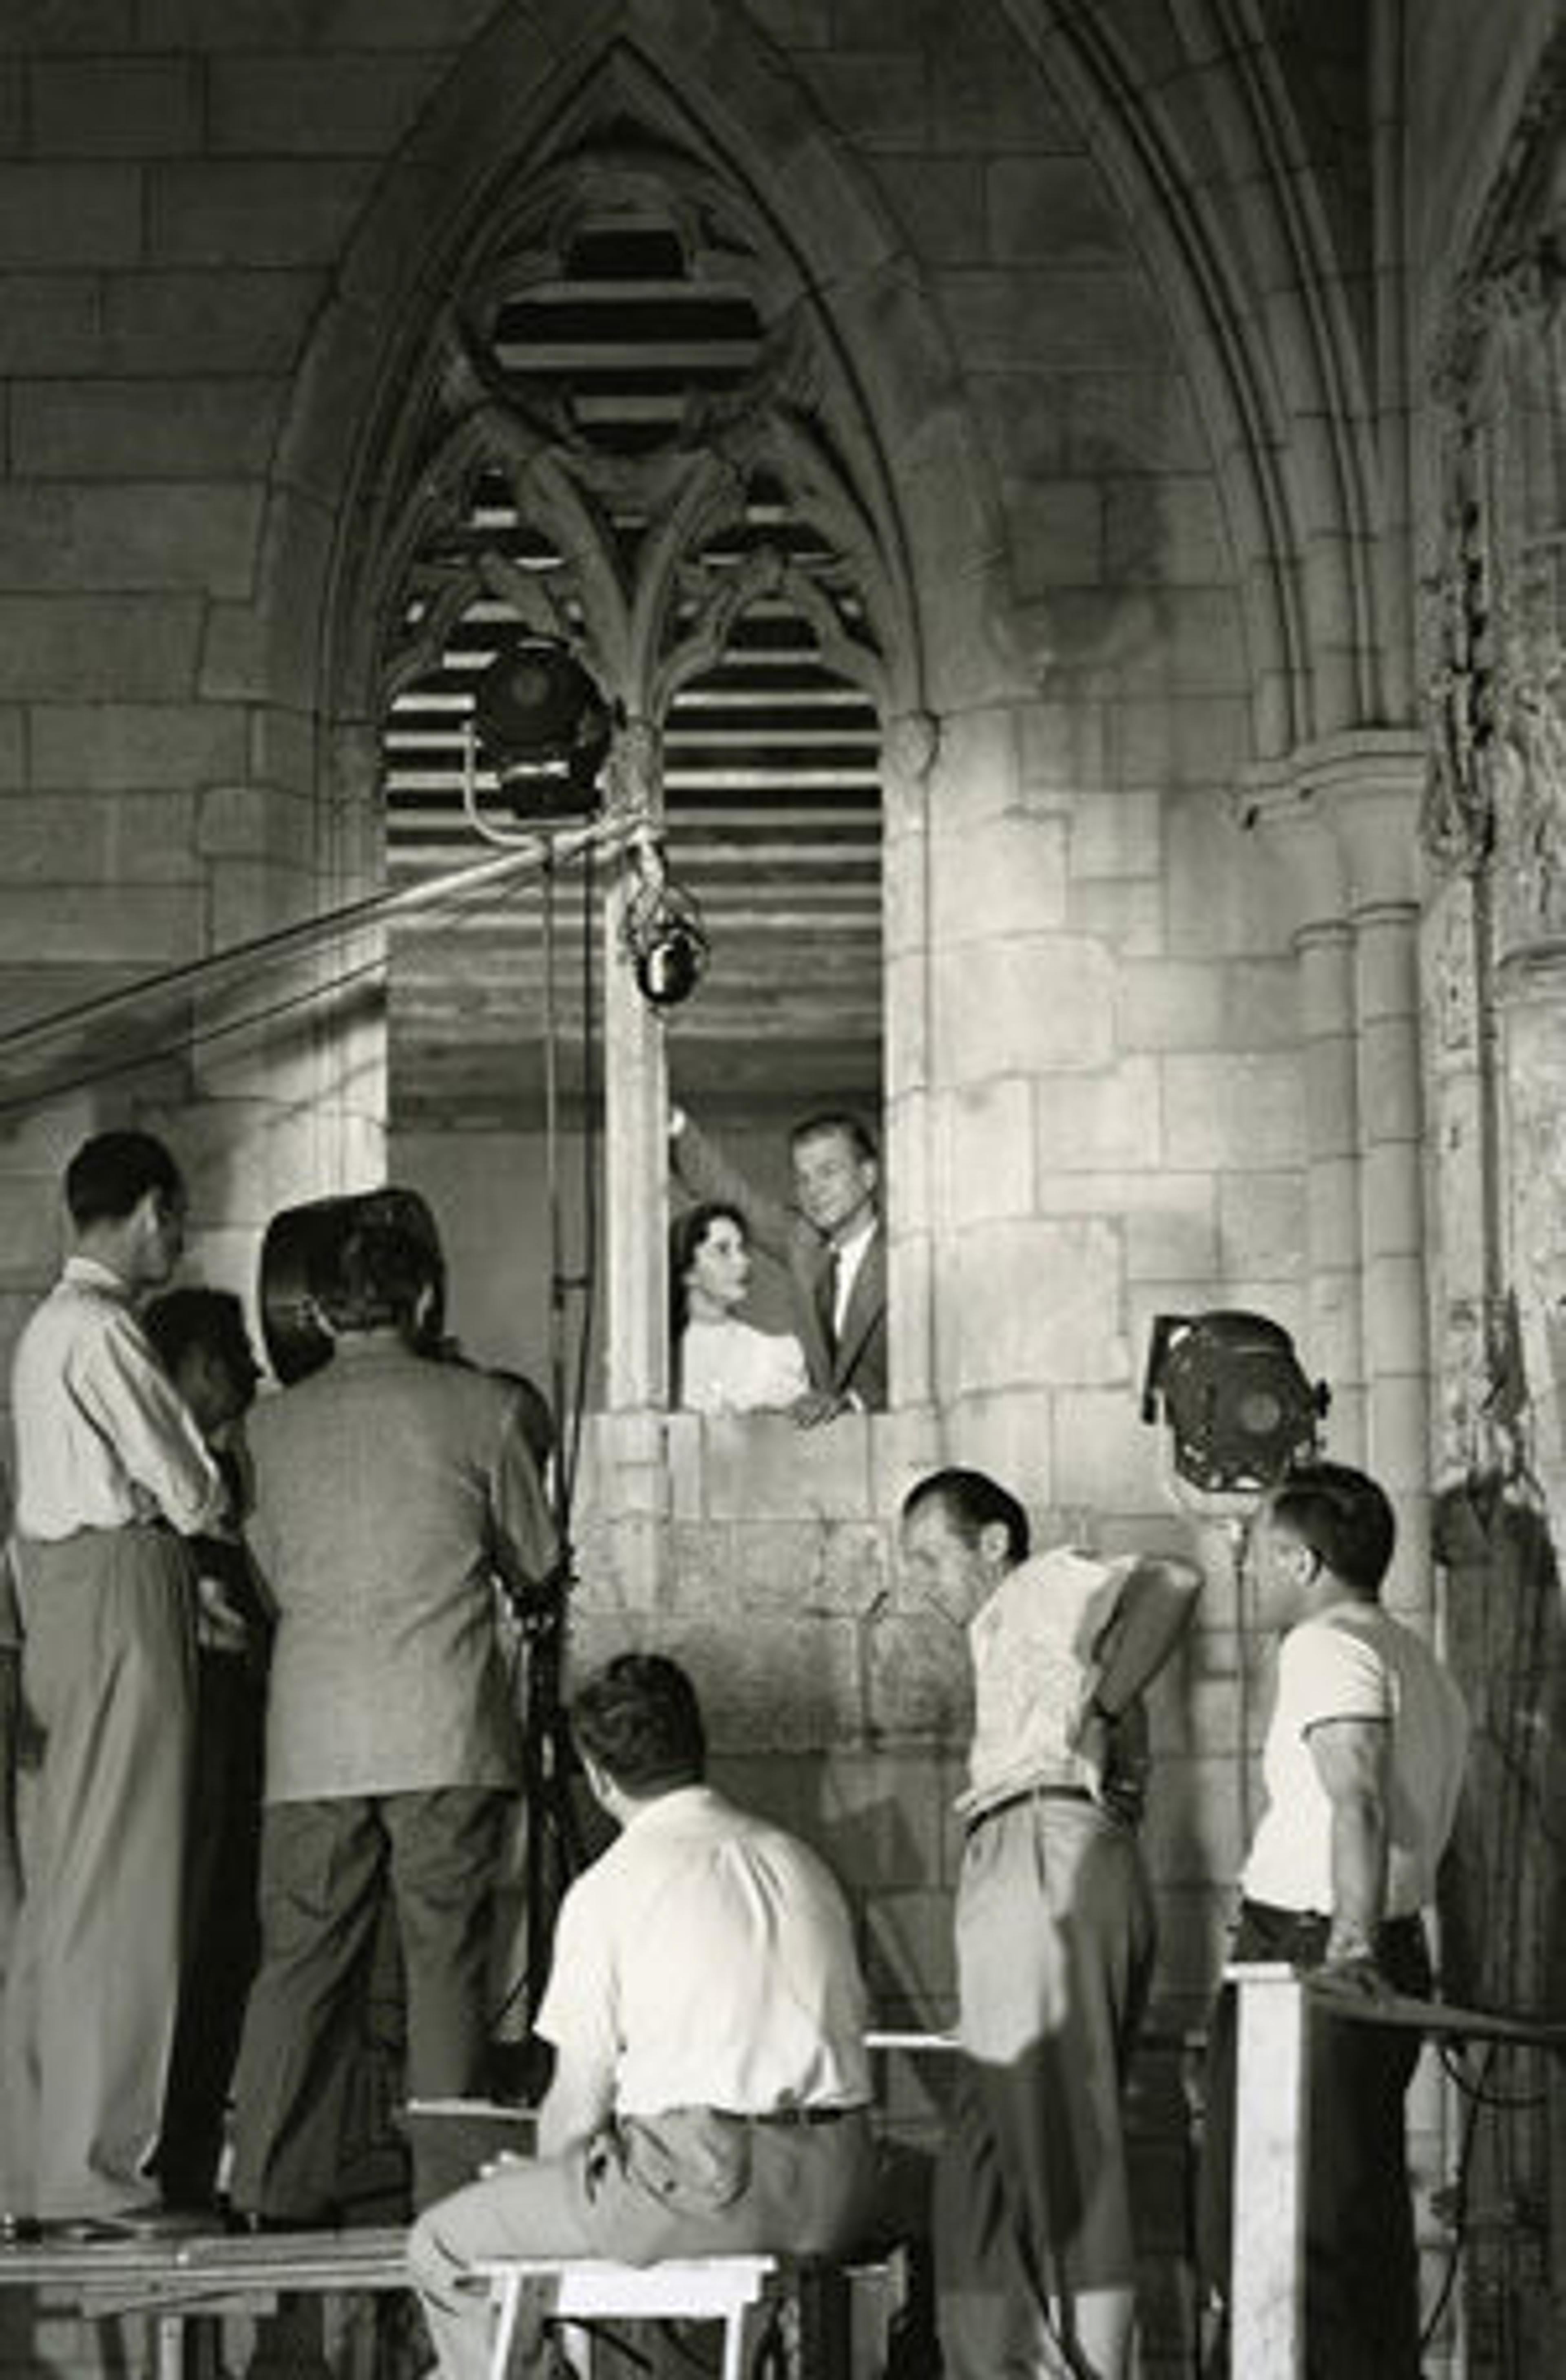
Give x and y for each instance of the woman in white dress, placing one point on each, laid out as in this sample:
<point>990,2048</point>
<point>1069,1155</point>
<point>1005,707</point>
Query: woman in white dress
<point>721,1365</point>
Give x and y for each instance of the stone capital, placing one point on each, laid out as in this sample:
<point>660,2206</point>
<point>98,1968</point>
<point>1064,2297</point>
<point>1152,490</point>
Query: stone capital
<point>1349,805</point>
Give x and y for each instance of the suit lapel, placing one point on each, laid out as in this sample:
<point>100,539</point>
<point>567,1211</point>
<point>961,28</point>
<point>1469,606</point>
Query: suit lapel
<point>865,1300</point>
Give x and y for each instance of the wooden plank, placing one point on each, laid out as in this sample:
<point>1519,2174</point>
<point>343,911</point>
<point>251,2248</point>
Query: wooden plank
<point>1266,2297</point>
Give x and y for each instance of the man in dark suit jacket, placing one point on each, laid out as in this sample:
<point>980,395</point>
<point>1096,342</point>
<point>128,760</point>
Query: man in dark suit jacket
<point>831,1243</point>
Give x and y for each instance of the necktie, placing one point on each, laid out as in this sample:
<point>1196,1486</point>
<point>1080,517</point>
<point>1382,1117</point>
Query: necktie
<point>826,1298</point>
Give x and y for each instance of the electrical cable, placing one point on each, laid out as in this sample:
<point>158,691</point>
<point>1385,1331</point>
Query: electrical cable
<point>1459,2208</point>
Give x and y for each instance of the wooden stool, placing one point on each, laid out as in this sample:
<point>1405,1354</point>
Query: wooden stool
<point>700,2288</point>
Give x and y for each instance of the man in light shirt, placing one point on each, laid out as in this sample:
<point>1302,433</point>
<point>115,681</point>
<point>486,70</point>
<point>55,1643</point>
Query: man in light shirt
<point>829,1241</point>
<point>112,1476</point>
<point>706,2006</point>
<point>1035,2261</point>
<point>1364,1763</point>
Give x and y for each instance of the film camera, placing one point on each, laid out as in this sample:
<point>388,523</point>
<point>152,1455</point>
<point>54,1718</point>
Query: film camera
<point>301,1257</point>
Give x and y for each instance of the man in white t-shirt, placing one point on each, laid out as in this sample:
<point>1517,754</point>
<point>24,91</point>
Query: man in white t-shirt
<point>712,2090</point>
<point>1364,1763</point>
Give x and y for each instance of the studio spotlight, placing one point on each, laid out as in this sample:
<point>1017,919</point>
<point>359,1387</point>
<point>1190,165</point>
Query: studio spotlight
<point>1234,1395</point>
<point>543,727</point>
<point>661,928</point>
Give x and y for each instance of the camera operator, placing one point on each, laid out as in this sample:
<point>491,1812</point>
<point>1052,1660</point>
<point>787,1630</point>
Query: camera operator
<point>386,1492</point>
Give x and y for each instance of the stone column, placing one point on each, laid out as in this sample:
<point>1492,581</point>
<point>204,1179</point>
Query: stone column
<point>908,750</point>
<point>1335,1353</point>
<point>636,1101</point>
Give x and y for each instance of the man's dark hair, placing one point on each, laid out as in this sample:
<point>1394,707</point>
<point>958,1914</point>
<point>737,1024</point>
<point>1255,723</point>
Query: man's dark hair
<point>971,1501</point>
<point>212,1318</point>
<point>1344,1517</point>
<point>382,1272</point>
<point>839,1122</point>
<point>638,1718</point>
<point>110,1174</point>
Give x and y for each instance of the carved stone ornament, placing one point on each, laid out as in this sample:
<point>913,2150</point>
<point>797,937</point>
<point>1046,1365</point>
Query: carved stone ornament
<point>1529,801</point>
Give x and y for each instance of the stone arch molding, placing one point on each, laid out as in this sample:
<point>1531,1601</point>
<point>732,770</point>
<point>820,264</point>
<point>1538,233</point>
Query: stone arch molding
<point>498,189</point>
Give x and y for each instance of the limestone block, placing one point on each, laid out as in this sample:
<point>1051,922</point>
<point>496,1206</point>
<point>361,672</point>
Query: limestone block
<point>101,924</point>
<point>1106,422</point>
<point>876,99</point>
<point>1390,1091</point>
<point>284,748</point>
<point>1053,211</point>
<point>879,1818</point>
<point>1393,1205</point>
<point>784,1684</point>
<point>798,1566</point>
<point>903,1447</point>
<point>1007,1434</point>
<point>1190,1713</point>
<point>1031,1004</point>
<point>1172,1004</point>
<point>49,321</point>
<point>1003,876</point>
<point>987,94</point>
<point>1037,1304</point>
<point>1193,1931</point>
<point>1063,321</point>
<point>149,430</point>
<point>365,25</point>
<point>1180,739</point>
<point>70,648</point>
<point>55,215</point>
<point>1102,1122</point>
<point>1228,893</point>
<point>1117,833</point>
<point>951,510</point>
<point>154,535</point>
<point>1238,1111</point>
<point>795,24</point>
<point>761,1467</point>
<point>1165,532</point>
<point>1057,534</point>
<point>1192,1831</point>
<point>115,108</point>
<point>940,203</point>
<point>1394,1316</point>
<point>259,823</point>
<point>916,1681</point>
<point>975,780</point>
<point>217,321</point>
<point>909,1952</point>
<point>981,646</point>
<point>222,212</point>
<point>1126,913</point>
<point>1263,998</point>
<point>1106,1458</point>
<point>30,1229</point>
<point>110,747</point>
<point>337,105</point>
<point>985,1150</point>
<point>1062,750</point>
<point>1262,1226</point>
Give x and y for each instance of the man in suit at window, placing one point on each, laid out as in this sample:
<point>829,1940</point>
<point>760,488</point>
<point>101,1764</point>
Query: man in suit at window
<point>831,1243</point>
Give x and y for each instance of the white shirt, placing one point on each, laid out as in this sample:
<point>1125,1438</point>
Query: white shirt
<point>102,1438</point>
<point>848,1256</point>
<point>707,1960</point>
<point>1032,1649</point>
<point>730,1368</point>
<point>1356,1661</point>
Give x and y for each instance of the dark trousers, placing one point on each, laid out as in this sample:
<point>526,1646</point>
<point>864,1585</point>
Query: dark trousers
<point>1361,2273</point>
<point>223,1939</point>
<point>327,1869</point>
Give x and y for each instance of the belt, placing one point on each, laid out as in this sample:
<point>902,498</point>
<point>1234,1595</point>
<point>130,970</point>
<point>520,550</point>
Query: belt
<point>788,2115</point>
<point>1029,1793</point>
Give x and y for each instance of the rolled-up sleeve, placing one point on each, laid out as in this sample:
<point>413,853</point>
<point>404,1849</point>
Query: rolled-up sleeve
<point>120,1388</point>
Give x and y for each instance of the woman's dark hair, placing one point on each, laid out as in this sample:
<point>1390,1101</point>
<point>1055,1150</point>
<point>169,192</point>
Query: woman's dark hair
<point>686,1233</point>
<point>639,1720</point>
<point>1344,1517</point>
<point>213,1319</point>
<point>110,1174</point>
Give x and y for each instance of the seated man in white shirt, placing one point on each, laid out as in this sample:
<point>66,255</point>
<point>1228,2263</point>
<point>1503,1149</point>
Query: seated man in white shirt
<point>708,2015</point>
